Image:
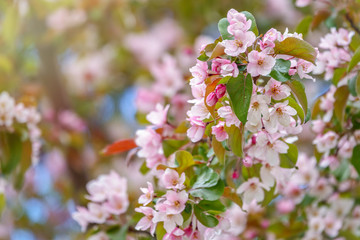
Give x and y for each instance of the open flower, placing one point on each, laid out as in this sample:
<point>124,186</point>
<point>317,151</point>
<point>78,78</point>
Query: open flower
<point>260,63</point>
<point>252,189</point>
<point>171,179</point>
<point>276,90</point>
<point>242,41</point>
<point>148,195</point>
<point>146,222</point>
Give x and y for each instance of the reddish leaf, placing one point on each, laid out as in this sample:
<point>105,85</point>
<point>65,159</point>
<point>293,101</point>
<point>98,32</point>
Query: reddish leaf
<point>119,147</point>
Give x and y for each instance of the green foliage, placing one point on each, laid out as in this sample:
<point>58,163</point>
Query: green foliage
<point>184,160</point>
<point>205,178</point>
<point>280,71</point>
<point>219,150</point>
<point>160,231</point>
<point>355,159</point>
<point>297,48</point>
<point>210,193</point>
<point>296,106</point>
<point>298,90</point>
<point>222,26</point>
<point>354,85</point>
<point>289,159</point>
<point>205,212</point>
<point>354,60</point>
<point>236,139</point>
<point>170,146</point>
<point>343,171</point>
<point>339,73</point>
<point>240,91</point>
<point>304,26</point>
<point>341,96</point>
<point>253,27</point>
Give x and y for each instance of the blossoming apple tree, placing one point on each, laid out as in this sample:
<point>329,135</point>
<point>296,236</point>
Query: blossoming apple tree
<point>233,164</point>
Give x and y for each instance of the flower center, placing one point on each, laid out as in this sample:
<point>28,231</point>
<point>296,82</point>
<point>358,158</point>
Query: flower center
<point>260,62</point>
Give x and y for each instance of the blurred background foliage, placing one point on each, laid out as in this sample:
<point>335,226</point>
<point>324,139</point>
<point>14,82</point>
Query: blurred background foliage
<point>82,62</point>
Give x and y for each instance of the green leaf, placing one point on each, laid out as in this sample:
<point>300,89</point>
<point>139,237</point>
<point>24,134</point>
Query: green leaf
<point>296,106</point>
<point>206,219</point>
<point>355,42</point>
<point>269,196</point>
<point>203,57</point>
<point>230,193</point>
<point>343,171</point>
<point>211,194</point>
<point>240,91</point>
<point>280,71</point>
<point>222,26</point>
<point>304,26</point>
<point>118,233</point>
<point>2,203</point>
<point>160,231</point>
<point>352,86</point>
<point>212,207</point>
<point>170,146</point>
<point>341,96</point>
<point>339,73</point>
<point>219,150</point>
<point>354,60</point>
<point>236,139</point>
<point>355,159</point>
<point>298,89</point>
<point>144,169</point>
<point>12,148</point>
<point>218,51</point>
<point>206,178</point>
<point>251,17</point>
<point>289,159</point>
<point>184,160</point>
<point>297,48</point>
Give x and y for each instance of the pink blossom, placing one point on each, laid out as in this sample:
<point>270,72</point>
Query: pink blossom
<point>302,3</point>
<point>71,121</point>
<point>7,105</point>
<point>237,218</point>
<point>332,224</point>
<point>322,189</point>
<point>258,108</point>
<point>171,179</point>
<point>268,148</point>
<point>285,206</point>
<point>318,126</point>
<point>276,90</point>
<point>252,189</point>
<point>211,99</point>
<point>196,132</point>
<point>99,236</point>
<point>198,91</point>
<point>303,68</point>
<point>269,38</point>
<point>219,132</point>
<point>149,141</point>
<point>326,142</point>
<point>158,117</point>
<point>175,201</point>
<point>242,41</point>
<point>97,213</point>
<point>260,63</point>
<point>62,19</point>
<point>280,114</point>
<point>146,222</point>
<point>117,204</point>
<point>170,220</point>
<point>169,79</point>
<point>238,22</point>
<point>146,100</point>
<point>148,194</point>
<point>220,90</point>
<point>230,118</point>
<point>346,146</point>
<point>199,73</point>
<point>176,234</point>
<point>82,217</point>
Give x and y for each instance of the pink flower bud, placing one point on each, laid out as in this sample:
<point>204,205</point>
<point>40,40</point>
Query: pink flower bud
<point>265,223</point>
<point>220,90</point>
<point>247,161</point>
<point>285,206</point>
<point>211,99</point>
<point>235,175</point>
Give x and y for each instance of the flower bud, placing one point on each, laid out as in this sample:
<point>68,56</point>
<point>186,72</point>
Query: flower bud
<point>247,161</point>
<point>211,99</point>
<point>220,90</point>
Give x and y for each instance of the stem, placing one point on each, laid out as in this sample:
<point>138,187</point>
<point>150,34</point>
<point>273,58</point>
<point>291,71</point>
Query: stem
<point>352,24</point>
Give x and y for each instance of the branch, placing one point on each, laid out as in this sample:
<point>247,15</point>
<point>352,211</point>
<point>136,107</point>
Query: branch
<point>352,24</point>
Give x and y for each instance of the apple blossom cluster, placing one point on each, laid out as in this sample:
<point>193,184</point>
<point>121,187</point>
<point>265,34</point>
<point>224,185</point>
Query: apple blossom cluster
<point>108,200</point>
<point>272,117</point>
<point>336,52</point>
<point>13,116</point>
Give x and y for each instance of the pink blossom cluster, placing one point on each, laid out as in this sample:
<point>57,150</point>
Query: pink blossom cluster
<point>270,120</point>
<point>12,114</point>
<point>108,199</point>
<point>63,19</point>
<point>336,52</point>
